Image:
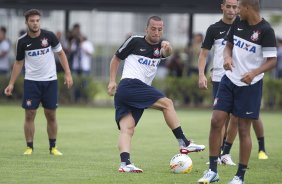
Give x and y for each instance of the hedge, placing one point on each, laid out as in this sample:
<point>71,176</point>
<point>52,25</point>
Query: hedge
<point>184,91</point>
<point>85,85</point>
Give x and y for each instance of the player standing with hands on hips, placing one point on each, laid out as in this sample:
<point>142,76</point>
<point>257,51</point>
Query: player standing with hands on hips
<point>35,50</point>
<point>142,55</point>
<point>250,51</point>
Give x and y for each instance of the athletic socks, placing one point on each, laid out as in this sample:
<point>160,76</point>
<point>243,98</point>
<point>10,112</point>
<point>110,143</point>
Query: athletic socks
<point>213,163</point>
<point>222,146</point>
<point>241,171</point>
<point>226,148</point>
<point>179,135</point>
<point>29,144</point>
<point>52,143</point>
<point>125,157</point>
<point>261,144</point>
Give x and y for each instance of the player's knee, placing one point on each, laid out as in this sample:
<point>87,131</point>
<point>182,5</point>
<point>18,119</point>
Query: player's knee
<point>216,123</point>
<point>168,103</point>
<point>129,130</point>
<point>30,115</point>
<point>243,131</point>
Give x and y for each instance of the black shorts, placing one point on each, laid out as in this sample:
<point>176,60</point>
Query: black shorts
<point>241,101</point>
<point>36,92</point>
<point>134,96</point>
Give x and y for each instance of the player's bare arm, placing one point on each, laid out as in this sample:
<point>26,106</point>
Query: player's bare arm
<point>227,55</point>
<point>64,62</point>
<point>203,83</point>
<point>113,73</point>
<point>17,68</point>
<point>269,64</point>
<point>166,49</point>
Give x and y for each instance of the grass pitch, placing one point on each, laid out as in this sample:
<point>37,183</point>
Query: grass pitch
<point>88,138</point>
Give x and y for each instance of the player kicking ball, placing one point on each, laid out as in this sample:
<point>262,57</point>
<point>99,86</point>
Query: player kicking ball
<point>142,55</point>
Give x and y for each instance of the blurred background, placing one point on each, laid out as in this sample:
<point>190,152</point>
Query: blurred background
<point>97,28</point>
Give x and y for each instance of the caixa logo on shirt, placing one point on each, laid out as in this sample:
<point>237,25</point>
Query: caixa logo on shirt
<point>149,62</point>
<point>38,52</point>
<point>245,46</point>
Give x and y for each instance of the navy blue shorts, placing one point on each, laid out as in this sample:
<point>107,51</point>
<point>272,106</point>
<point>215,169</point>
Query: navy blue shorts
<point>45,92</point>
<point>215,86</point>
<point>241,101</point>
<point>134,96</point>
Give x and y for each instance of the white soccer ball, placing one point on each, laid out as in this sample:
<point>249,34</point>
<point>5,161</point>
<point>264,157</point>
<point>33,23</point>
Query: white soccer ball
<point>181,163</point>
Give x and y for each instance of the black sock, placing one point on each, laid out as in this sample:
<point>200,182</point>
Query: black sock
<point>241,171</point>
<point>178,133</point>
<point>261,144</point>
<point>223,142</point>
<point>52,143</point>
<point>125,157</point>
<point>227,148</point>
<point>213,163</point>
<point>29,144</point>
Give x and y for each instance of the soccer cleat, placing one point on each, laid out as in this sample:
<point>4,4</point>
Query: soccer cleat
<point>129,168</point>
<point>54,151</point>
<point>209,177</point>
<point>262,155</point>
<point>236,180</point>
<point>226,160</point>
<point>192,147</point>
<point>218,162</point>
<point>28,151</point>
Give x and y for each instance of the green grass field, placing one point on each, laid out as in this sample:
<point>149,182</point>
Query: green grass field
<point>88,138</point>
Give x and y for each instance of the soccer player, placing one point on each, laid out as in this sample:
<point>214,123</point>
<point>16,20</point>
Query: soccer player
<point>249,52</point>
<point>215,38</point>
<point>142,55</point>
<point>35,51</point>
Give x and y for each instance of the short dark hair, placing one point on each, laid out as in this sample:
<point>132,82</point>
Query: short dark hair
<point>255,4</point>
<point>3,29</point>
<point>31,12</point>
<point>156,18</point>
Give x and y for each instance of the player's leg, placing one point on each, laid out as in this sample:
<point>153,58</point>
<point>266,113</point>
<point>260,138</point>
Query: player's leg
<point>30,102</point>
<point>166,106</point>
<point>223,104</point>
<point>127,126</point>
<point>29,130</point>
<point>215,139</point>
<point>231,135</point>
<point>244,126</point>
<point>258,128</point>
<point>224,134</point>
<point>127,116</point>
<point>52,129</point>
<point>247,100</point>
<point>50,102</point>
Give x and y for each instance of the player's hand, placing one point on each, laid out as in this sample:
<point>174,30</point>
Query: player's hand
<point>68,80</point>
<point>8,90</point>
<point>166,48</point>
<point>112,88</point>
<point>248,77</point>
<point>203,83</point>
<point>228,64</point>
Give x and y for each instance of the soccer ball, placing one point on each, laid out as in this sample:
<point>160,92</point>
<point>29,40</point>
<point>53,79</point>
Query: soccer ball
<point>181,163</point>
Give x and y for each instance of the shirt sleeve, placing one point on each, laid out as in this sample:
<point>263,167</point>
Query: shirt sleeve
<point>126,48</point>
<point>268,44</point>
<point>55,44</point>
<point>20,51</point>
<point>209,39</point>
